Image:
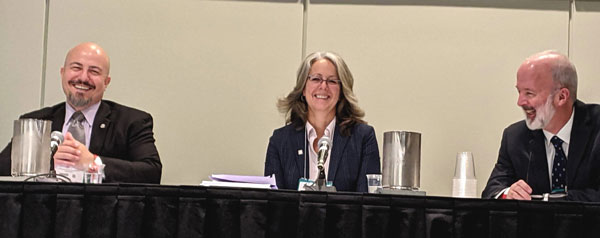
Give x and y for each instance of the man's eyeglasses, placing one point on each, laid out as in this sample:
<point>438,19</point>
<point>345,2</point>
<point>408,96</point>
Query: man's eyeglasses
<point>318,79</point>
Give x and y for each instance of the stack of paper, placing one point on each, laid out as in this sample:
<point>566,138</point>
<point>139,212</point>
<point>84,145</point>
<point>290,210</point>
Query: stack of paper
<point>241,181</point>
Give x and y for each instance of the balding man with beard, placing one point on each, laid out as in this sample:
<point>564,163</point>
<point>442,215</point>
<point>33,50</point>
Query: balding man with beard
<point>118,137</point>
<point>556,149</point>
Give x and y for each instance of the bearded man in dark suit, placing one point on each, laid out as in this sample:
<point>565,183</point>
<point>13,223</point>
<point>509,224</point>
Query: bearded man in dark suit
<point>556,149</point>
<point>115,136</point>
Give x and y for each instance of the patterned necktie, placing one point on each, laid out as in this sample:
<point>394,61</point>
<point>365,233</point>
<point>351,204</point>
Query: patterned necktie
<point>76,128</point>
<point>559,167</point>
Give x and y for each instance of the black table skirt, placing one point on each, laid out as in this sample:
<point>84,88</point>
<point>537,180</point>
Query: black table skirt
<point>134,210</point>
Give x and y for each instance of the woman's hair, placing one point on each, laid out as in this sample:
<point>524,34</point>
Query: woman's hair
<point>347,112</point>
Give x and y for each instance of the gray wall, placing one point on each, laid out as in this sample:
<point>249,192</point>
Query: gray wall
<point>210,72</point>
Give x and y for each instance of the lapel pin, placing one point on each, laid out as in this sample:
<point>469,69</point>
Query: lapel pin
<point>300,152</point>
<point>102,125</point>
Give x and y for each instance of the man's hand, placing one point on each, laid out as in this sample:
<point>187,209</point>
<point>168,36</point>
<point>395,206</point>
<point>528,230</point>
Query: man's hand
<point>73,153</point>
<point>519,190</point>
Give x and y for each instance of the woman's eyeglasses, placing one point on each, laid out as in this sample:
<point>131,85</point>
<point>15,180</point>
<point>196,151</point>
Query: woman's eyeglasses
<point>318,79</point>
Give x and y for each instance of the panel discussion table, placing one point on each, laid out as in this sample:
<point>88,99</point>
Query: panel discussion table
<point>29,209</point>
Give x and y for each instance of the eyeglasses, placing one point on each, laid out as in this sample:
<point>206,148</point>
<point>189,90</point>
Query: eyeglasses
<point>318,79</point>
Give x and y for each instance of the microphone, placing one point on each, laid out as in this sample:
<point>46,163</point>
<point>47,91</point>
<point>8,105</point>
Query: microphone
<point>530,145</point>
<point>320,184</point>
<point>324,144</point>
<point>56,138</point>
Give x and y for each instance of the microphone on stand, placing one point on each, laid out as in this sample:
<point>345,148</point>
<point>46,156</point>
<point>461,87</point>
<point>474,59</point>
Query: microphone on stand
<point>530,145</point>
<point>56,138</point>
<point>324,143</point>
<point>320,184</point>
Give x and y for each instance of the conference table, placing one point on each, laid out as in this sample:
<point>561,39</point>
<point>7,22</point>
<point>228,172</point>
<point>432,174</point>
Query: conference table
<point>31,209</point>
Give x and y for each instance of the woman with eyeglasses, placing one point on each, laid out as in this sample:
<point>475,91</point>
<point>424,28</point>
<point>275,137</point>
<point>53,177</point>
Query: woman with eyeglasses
<point>322,104</point>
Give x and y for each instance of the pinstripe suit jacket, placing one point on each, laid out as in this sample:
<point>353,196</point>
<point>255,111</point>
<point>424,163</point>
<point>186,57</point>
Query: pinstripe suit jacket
<point>352,157</point>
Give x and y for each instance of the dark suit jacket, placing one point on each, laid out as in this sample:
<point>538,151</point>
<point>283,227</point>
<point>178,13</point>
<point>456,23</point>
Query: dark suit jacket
<point>125,142</point>
<point>523,156</point>
<point>352,157</point>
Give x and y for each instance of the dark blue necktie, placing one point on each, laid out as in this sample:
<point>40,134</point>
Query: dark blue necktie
<point>559,167</point>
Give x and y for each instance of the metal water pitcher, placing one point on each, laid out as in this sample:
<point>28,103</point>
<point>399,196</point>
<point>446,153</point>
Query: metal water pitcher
<point>401,160</point>
<point>30,151</point>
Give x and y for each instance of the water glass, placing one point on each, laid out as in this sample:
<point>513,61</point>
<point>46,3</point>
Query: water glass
<point>374,182</point>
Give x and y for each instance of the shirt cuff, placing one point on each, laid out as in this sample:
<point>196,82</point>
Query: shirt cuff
<point>502,194</point>
<point>97,166</point>
<point>98,160</point>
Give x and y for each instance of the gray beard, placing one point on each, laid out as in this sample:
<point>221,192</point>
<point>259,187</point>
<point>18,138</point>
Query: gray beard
<point>543,116</point>
<point>77,101</point>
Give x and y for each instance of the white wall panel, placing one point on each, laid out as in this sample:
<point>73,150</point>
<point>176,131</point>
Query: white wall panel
<point>585,49</point>
<point>21,44</point>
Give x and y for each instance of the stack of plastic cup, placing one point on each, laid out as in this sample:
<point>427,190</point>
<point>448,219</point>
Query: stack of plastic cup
<point>464,183</point>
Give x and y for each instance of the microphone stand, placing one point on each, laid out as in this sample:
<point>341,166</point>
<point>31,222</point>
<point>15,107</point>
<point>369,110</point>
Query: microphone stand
<point>52,173</point>
<point>320,184</point>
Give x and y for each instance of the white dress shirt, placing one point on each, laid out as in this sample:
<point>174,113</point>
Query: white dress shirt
<point>312,155</point>
<point>565,135</point>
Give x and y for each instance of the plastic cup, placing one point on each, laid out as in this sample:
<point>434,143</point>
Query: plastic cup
<point>374,182</point>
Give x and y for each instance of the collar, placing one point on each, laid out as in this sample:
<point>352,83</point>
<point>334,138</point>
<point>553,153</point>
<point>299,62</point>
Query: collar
<point>89,113</point>
<point>564,133</point>
<point>312,133</point>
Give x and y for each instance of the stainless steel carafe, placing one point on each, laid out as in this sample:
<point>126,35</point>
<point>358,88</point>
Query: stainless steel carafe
<point>30,151</point>
<point>401,160</point>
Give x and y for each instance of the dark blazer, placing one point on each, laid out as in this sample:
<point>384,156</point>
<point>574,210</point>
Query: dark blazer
<point>352,157</point>
<point>523,156</point>
<point>121,136</point>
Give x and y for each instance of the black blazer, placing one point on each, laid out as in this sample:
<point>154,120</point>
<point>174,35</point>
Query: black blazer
<point>121,136</point>
<point>523,156</point>
<point>352,157</point>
